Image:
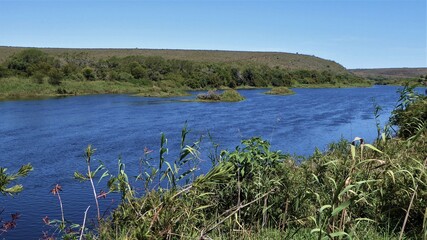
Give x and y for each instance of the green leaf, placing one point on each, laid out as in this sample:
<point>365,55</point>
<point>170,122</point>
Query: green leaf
<point>324,207</point>
<point>24,170</point>
<point>372,147</point>
<point>203,207</point>
<point>80,176</point>
<point>341,207</point>
<point>15,189</point>
<point>346,189</point>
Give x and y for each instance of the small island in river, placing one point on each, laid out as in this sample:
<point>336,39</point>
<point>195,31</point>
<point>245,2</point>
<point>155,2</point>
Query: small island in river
<point>280,91</point>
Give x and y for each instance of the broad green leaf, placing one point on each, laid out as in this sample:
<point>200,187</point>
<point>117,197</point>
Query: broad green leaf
<point>372,147</point>
<point>341,207</point>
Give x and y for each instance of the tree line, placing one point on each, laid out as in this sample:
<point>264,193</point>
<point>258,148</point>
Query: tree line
<point>143,70</point>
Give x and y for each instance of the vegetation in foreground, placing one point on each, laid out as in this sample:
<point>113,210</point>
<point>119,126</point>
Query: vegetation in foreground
<point>35,73</point>
<point>280,91</point>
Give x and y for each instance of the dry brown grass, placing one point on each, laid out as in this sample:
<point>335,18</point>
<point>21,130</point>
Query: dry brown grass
<point>272,59</point>
<point>390,73</point>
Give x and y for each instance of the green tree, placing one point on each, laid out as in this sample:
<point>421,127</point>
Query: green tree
<point>29,61</point>
<point>249,77</point>
<point>55,77</point>
<point>88,73</point>
<point>137,71</point>
<point>3,71</point>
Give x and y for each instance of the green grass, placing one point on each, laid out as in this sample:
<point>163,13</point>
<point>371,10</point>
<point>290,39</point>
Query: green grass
<point>280,91</point>
<point>18,88</point>
<point>231,95</point>
<point>26,88</point>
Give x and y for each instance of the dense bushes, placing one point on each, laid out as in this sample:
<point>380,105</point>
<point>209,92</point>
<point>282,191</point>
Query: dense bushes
<point>411,113</point>
<point>195,75</point>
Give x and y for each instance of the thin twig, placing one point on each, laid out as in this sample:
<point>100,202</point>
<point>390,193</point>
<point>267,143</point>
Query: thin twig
<point>84,222</point>
<point>94,190</point>
<point>62,209</point>
<point>407,213</point>
<point>410,206</point>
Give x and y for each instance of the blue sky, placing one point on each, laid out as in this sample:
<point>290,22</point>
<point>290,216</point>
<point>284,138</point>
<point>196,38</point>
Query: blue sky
<point>356,34</point>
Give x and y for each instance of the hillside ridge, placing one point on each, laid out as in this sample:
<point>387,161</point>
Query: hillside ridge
<point>291,61</point>
<point>390,73</point>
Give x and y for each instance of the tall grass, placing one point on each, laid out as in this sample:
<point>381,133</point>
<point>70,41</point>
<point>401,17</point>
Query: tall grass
<point>253,189</point>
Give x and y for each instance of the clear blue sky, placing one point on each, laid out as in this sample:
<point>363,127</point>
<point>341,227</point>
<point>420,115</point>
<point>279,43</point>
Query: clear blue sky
<point>357,34</point>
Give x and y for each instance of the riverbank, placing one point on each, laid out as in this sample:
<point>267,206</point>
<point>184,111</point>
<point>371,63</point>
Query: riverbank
<point>77,74</point>
<point>25,88</point>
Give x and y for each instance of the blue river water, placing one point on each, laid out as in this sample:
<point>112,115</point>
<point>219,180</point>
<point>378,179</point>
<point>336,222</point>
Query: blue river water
<point>52,134</point>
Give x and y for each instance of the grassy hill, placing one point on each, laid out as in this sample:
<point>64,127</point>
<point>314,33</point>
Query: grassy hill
<point>288,61</point>
<point>390,73</point>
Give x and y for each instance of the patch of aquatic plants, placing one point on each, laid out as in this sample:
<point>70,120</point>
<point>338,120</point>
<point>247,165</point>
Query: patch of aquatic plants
<point>229,95</point>
<point>280,91</point>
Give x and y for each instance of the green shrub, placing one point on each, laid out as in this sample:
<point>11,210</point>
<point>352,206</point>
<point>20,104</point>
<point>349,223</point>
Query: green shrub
<point>38,78</point>
<point>231,95</point>
<point>280,91</point>
<point>55,77</point>
<point>88,73</point>
<point>410,114</point>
